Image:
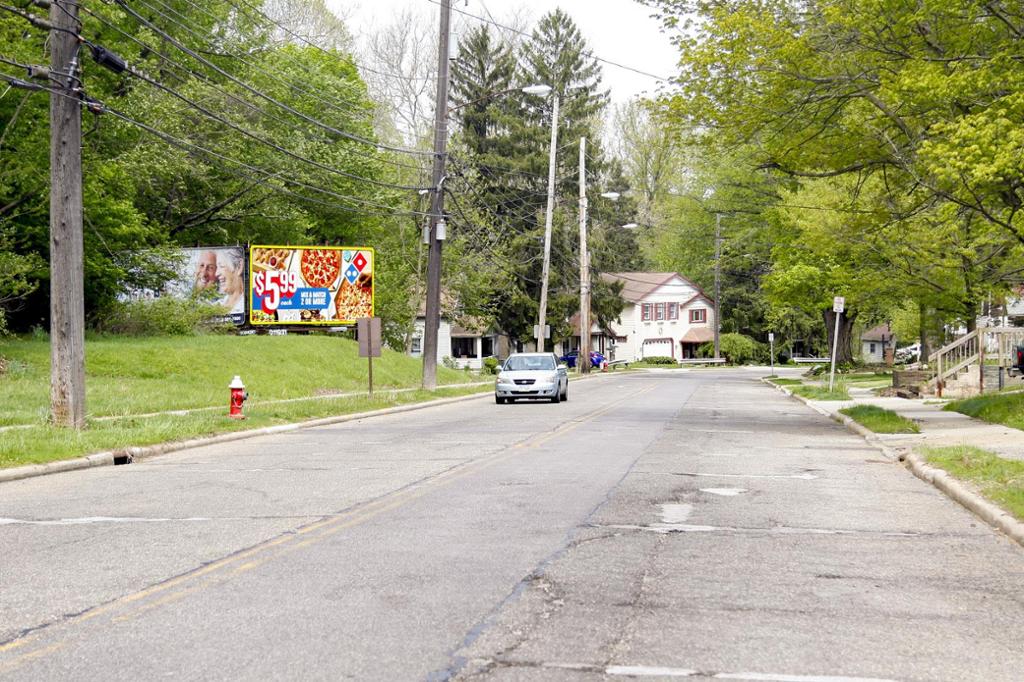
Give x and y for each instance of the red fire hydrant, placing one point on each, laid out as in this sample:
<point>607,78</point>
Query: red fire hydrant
<point>238,397</point>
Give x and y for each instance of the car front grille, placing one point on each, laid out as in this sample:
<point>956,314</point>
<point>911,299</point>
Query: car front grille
<point>524,382</point>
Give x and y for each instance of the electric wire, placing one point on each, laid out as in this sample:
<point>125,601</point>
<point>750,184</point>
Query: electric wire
<point>337,103</point>
<point>268,143</point>
<point>312,44</point>
<point>198,150</point>
<point>235,98</point>
<point>177,44</point>
<point>588,53</point>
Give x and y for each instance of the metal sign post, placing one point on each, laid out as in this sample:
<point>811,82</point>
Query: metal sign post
<point>368,331</point>
<point>771,350</point>
<point>838,305</point>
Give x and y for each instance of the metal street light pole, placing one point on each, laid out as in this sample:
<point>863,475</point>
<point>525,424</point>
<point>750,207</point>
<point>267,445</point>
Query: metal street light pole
<point>584,356</point>
<point>433,305</point>
<point>542,317</point>
<point>718,282</point>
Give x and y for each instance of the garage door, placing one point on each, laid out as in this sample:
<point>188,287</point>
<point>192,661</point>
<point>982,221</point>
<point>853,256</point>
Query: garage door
<point>657,347</point>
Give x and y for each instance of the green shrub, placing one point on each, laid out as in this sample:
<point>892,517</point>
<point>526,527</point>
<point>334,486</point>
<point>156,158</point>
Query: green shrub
<point>737,349</point>
<point>449,362</point>
<point>491,365</point>
<point>660,360</point>
<point>164,316</point>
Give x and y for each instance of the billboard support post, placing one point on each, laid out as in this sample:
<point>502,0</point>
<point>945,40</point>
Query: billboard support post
<point>368,331</point>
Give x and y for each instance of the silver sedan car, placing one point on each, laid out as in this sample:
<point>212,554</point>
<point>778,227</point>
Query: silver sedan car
<point>532,375</point>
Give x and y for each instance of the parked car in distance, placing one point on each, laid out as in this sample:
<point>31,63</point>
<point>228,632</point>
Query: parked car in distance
<point>531,375</point>
<point>907,354</point>
<point>571,358</point>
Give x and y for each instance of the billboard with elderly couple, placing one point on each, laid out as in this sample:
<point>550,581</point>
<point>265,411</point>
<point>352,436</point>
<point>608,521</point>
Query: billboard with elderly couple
<point>213,273</point>
<point>310,285</point>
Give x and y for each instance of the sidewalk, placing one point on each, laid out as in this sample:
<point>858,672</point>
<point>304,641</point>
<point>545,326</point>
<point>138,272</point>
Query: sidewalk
<point>938,428</point>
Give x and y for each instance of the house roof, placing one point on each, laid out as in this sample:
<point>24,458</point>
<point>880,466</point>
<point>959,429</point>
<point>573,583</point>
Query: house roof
<point>638,285</point>
<point>574,323</point>
<point>698,335</point>
<point>879,333</point>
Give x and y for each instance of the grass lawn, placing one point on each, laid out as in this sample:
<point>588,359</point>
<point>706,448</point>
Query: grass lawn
<point>999,480</point>
<point>839,392</point>
<point>880,420</point>
<point>130,376</point>
<point>998,408</point>
<point>780,381</point>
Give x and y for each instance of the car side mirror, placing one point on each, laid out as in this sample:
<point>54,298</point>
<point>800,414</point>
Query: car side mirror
<point>563,367</point>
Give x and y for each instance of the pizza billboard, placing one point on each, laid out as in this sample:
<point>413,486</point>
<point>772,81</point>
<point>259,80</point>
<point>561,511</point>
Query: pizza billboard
<point>310,285</point>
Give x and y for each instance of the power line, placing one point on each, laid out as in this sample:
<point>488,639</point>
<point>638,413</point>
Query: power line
<point>312,44</point>
<point>258,93</point>
<point>336,103</point>
<point>588,53</point>
<point>97,106</point>
<point>235,98</point>
<point>264,141</point>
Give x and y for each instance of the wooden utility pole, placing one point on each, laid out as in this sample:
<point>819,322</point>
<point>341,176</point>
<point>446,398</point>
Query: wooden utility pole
<point>432,314</point>
<point>548,217</point>
<point>584,357</point>
<point>67,307</point>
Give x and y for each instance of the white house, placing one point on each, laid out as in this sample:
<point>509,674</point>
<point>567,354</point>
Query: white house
<point>466,346</point>
<point>665,315</point>
<point>875,341</point>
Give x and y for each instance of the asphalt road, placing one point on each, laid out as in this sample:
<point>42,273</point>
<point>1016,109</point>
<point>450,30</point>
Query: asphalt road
<point>692,525</point>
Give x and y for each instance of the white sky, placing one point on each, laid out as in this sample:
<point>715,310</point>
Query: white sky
<point>618,30</point>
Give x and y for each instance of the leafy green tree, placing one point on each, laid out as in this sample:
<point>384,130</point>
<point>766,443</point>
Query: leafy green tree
<point>914,109</point>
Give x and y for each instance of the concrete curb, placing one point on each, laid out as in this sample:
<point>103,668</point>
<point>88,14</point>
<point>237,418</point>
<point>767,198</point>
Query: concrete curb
<point>974,502</point>
<point>941,479</point>
<point>134,454</point>
<point>851,425</point>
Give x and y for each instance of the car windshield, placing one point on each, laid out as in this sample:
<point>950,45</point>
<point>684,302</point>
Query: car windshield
<point>539,362</point>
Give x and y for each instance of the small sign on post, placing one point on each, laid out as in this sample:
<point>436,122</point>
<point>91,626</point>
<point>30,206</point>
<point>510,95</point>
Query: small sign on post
<point>771,350</point>
<point>368,332</point>
<point>838,306</point>
<point>547,331</point>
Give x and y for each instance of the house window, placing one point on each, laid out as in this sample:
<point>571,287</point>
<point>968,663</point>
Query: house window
<point>464,347</point>
<point>872,349</point>
<point>659,311</point>
<point>417,345</point>
<point>673,311</point>
<point>698,315</point>
<point>487,346</point>
<point>646,312</point>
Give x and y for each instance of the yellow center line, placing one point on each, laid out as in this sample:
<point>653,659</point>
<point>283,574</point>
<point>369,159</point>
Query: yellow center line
<point>327,527</point>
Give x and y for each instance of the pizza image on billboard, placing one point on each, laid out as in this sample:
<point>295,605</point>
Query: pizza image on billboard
<point>310,285</point>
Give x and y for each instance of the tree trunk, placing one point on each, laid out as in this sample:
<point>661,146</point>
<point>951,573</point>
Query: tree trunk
<point>844,350</point>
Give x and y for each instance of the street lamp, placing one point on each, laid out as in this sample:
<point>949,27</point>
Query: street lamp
<point>434,232</point>
<point>538,89</point>
<point>543,312</point>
